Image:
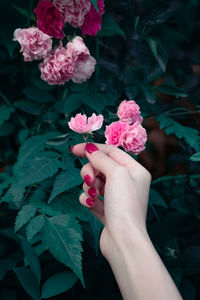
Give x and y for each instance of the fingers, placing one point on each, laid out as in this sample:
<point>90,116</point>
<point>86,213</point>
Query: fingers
<point>119,156</point>
<point>96,206</point>
<point>88,174</point>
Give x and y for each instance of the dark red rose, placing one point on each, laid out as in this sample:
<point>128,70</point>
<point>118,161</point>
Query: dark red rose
<point>49,19</point>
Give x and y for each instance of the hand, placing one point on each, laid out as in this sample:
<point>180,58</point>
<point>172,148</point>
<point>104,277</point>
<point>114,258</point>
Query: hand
<point>123,183</point>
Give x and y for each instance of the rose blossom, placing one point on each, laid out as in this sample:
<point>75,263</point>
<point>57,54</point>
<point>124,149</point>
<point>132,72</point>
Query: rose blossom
<point>73,11</point>
<point>49,19</point>
<point>57,67</point>
<point>92,21</point>
<point>81,124</point>
<point>129,111</point>
<point>84,62</point>
<point>34,43</point>
<point>134,138</point>
<point>114,133</point>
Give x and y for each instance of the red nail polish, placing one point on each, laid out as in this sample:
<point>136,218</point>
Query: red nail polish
<point>71,148</point>
<point>89,202</point>
<point>92,192</point>
<point>87,179</point>
<point>90,148</point>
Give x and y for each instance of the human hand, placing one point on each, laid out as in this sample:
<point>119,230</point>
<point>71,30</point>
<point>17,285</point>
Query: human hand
<point>123,183</point>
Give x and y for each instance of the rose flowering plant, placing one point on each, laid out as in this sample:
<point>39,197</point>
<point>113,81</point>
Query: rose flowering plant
<point>81,71</point>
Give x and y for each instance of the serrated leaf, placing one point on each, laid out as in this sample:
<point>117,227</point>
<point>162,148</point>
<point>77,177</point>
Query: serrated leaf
<point>31,257</point>
<point>24,215</point>
<point>37,169</point>
<point>156,199</point>
<point>34,226</point>
<point>31,147</point>
<point>95,3</point>
<point>14,194</point>
<point>73,102</point>
<point>28,281</point>
<point>62,235</point>
<point>65,181</point>
<point>190,135</point>
<point>195,157</point>
<point>172,90</point>
<point>109,27</point>
<point>158,52</point>
<point>58,283</point>
<point>5,112</point>
<point>38,95</point>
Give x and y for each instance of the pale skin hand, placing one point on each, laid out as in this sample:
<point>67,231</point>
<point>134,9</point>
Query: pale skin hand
<point>124,241</point>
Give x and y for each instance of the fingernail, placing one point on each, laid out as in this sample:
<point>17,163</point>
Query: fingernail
<point>87,179</point>
<point>90,148</point>
<point>71,148</point>
<point>89,202</point>
<point>92,192</point>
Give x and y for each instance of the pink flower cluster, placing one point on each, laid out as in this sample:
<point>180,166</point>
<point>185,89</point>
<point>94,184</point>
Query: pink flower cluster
<point>71,62</point>
<point>82,14</point>
<point>128,131</point>
<point>82,124</point>
<point>35,44</point>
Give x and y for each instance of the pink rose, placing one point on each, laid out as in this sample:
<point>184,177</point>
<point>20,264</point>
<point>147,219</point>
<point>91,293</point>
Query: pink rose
<point>134,138</point>
<point>49,19</point>
<point>114,133</point>
<point>129,112</point>
<point>81,124</point>
<point>84,62</point>
<point>34,43</point>
<point>92,21</point>
<point>73,11</point>
<point>57,67</point>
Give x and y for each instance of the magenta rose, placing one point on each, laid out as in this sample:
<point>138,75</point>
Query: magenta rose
<point>134,138</point>
<point>35,44</point>
<point>114,133</point>
<point>84,62</point>
<point>93,19</point>
<point>58,67</point>
<point>73,11</point>
<point>129,112</point>
<point>49,19</point>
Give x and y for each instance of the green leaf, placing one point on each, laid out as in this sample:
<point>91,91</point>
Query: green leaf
<point>31,257</point>
<point>149,92</point>
<point>190,135</point>
<point>156,199</point>
<point>24,215</point>
<point>34,226</point>
<point>5,181</point>
<point>62,235</point>
<point>158,52</point>
<point>65,181</point>
<point>58,283</point>
<point>73,102</point>
<point>6,265</point>
<point>31,147</point>
<point>5,112</point>
<point>37,169</point>
<point>28,281</point>
<point>96,101</point>
<point>109,27</point>
<point>172,90</point>
<point>195,157</point>
<point>94,2</point>
<point>14,194</point>
<point>38,95</point>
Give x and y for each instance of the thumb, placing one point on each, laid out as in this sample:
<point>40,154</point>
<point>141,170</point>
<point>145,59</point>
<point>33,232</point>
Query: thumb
<point>99,159</point>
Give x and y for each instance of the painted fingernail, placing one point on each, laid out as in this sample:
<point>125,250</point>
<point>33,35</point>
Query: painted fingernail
<point>89,202</point>
<point>92,192</point>
<point>87,179</point>
<point>90,148</point>
<point>71,148</point>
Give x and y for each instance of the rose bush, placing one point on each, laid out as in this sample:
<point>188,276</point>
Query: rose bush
<point>49,244</point>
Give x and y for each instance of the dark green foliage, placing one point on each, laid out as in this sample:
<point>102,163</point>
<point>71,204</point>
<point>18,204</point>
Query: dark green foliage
<point>147,50</point>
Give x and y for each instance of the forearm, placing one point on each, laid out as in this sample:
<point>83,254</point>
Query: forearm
<point>139,270</point>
